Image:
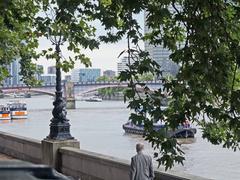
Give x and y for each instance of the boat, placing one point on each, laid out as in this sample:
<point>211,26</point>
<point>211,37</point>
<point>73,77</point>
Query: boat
<point>5,113</point>
<point>22,95</point>
<point>94,99</point>
<point>18,110</point>
<point>183,131</point>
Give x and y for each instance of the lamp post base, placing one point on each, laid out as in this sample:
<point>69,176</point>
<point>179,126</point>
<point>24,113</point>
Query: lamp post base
<point>50,151</point>
<point>59,131</point>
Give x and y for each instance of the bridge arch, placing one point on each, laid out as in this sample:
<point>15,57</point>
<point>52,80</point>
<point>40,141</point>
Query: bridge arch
<point>24,90</point>
<point>139,89</point>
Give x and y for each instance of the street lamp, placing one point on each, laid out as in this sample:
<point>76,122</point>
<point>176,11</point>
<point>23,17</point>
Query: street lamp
<point>59,126</point>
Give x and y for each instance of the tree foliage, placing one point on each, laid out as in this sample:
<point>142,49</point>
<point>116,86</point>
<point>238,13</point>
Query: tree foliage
<point>17,40</point>
<point>66,23</point>
<point>202,35</point>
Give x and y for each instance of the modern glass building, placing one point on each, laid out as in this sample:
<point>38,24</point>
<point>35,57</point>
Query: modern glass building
<point>85,74</point>
<point>89,75</point>
<point>14,78</point>
<point>48,79</point>
<point>160,54</point>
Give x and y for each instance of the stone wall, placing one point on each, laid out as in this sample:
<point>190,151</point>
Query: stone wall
<point>79,163</point>
<point>21,147</point>
<point>87,165</point>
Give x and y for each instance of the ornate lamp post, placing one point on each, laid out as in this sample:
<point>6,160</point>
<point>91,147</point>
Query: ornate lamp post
<point>59,126</point>
<point>59,135</point>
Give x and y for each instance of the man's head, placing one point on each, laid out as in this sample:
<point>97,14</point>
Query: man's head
<point>139,147</point>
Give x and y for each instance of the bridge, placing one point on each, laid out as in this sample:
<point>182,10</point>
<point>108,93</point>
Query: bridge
<point>80,88</point>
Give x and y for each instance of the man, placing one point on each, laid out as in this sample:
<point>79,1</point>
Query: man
<point>141,165</point>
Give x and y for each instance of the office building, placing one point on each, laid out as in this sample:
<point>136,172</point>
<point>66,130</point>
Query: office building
<point>14,78</point>
<point>48,79</point>
<point>109,73</point>
<point>123,64</point>
<point>51,70</point>
<point>160,54</point>
<point>75,75</point>
<point>85,74</point>
<point>89,75</point>
<point>39,72</point>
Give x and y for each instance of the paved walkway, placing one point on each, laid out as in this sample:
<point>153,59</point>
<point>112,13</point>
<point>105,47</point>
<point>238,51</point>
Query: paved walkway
<point>4,157</point>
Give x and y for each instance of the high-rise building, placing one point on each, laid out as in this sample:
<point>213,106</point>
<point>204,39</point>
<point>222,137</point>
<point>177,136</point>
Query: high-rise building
<point>89,75</point>
<point>14,78</point>
<point>109,73</point>
<point>123,65</point>
<point>160,54</point>
<point>51,70</point>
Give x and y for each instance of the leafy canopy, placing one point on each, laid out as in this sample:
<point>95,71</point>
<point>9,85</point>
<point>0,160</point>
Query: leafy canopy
<point>202,35</point>
<point>17,40</point>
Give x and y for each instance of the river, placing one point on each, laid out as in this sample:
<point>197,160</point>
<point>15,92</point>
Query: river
<point>98,127</point>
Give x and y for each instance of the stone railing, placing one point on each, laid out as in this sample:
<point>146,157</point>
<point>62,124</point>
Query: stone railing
<point>87,165</point>
<point>21,147</point>
<point>78,163</point>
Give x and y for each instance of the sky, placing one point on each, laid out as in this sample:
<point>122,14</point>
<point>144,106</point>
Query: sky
<point>105,58</point>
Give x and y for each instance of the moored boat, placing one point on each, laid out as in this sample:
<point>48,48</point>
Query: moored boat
<point>94,99</point>
<point>185,131</point>
<point>18,110</point>
<point>5,113</point>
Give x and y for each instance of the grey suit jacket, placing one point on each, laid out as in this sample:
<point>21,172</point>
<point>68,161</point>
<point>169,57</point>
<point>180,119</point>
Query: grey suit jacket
<point>141,167</point>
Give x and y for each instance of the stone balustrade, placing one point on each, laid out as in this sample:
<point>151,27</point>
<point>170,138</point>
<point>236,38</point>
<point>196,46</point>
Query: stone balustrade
<point>81,164</point>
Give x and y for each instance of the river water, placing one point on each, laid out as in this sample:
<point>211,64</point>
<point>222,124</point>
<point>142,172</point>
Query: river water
<point>98,127</point>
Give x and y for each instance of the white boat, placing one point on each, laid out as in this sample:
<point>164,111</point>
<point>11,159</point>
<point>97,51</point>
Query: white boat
<point>18,110</point>
<point>21,95</point>
<point>5,113</point>
<point>94,99</point>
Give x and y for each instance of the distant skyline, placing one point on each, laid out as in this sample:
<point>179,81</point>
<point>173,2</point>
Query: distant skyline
<point>105,58</point>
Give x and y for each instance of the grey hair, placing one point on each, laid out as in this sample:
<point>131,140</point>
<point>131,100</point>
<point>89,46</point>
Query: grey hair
<point>139,147</point>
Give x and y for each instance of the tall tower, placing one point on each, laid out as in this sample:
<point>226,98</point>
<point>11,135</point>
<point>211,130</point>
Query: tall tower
<point>160,54</point>
<point>14,69</point>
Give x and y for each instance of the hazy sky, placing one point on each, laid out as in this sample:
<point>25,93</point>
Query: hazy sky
<point>106,57</point>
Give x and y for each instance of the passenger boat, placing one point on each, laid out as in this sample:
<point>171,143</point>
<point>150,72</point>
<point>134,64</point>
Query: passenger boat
<point>94,99</point>
<point>5,113</point>
<point>183,131</point>
<point>18,110</point>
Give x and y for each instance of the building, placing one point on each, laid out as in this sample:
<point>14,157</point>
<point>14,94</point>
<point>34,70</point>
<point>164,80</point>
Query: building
<point>14,78</point>
<point>48,79</point>
<point>38,74</point>
<point>85,74</point>
<point>122,65</point>
<point>68,78</point>
<point>89,75</point>
<point>75,75</point>
<point>160,54</point>
<point>51,70</point>
<point>109,73</point>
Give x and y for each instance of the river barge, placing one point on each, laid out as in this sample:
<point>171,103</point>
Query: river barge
<point>183,131</point>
